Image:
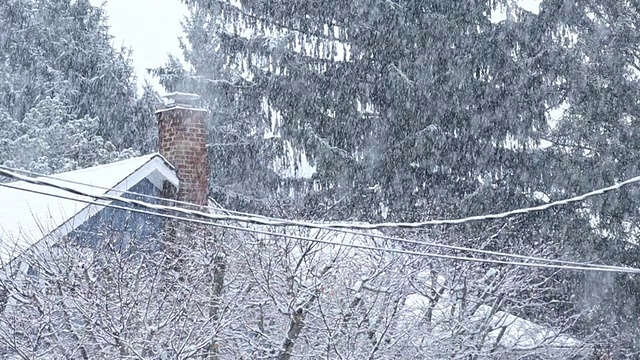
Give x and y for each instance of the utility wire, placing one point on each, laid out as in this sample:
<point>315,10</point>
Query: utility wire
<point>584,267</point>
<point>148,196</point>
<point>282,222</point>
<point>336,225</point>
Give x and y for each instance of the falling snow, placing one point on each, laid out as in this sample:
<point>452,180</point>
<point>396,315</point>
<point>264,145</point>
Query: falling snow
<point>356,112</point>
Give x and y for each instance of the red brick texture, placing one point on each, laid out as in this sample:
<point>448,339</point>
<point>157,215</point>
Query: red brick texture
<point>182,141</point>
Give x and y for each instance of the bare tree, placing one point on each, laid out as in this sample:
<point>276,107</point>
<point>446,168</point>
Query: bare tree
<point>242,295</point>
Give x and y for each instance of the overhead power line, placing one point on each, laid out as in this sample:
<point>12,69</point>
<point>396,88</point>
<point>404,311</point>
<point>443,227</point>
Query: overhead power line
<point>148,196</point>
<point>260,220</point>
<point>335,225</point>
<point>579,267</point>
<point>313,225</point>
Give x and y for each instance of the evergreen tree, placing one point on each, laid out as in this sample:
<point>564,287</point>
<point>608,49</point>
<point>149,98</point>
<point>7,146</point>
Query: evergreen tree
<point>593,145</point>
<point>412,109</point>
<point>61,49</point>
<point>388,103</point>
<point>47,140</point>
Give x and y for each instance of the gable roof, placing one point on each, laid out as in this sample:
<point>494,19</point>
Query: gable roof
<point>28,217</point>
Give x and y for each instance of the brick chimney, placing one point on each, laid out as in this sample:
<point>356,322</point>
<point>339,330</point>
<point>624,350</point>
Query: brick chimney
<point>182,141</point>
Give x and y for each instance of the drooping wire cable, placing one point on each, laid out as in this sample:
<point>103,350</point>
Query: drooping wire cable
<point>336,225</point>
<point>269,221</point>
<point>584,267</point>
<point>148,196</point>
<point>303,223</point>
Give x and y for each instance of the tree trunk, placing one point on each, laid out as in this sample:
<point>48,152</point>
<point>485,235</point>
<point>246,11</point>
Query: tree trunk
<point>217,285</point>
<point>295,327</point>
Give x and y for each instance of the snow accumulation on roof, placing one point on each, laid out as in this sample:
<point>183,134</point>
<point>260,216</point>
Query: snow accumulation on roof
<point>27,216</point>
<point>506,330</point>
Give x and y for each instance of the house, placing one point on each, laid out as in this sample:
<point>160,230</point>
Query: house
<point>31,217</point>
<point>178,171</point>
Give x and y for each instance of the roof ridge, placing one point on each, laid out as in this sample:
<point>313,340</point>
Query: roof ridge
<point>148,158</point>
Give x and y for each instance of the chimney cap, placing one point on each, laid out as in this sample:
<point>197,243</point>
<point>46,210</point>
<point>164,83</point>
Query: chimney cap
<point>180,98</point>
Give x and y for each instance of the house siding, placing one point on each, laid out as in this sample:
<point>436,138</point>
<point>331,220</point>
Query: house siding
<point>123,228</point>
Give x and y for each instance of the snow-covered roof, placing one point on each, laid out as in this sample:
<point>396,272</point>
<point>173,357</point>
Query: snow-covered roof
<point>27,216</point>
<point>511,331</point>
<point>504,330</point>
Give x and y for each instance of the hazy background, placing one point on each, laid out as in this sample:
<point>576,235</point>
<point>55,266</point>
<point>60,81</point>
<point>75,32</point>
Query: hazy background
<point>150,27</point>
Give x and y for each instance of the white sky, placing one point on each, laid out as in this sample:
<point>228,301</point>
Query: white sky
<point>150,27</point>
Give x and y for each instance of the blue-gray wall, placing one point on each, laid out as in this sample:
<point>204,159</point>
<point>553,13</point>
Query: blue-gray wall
<point>123,228</point>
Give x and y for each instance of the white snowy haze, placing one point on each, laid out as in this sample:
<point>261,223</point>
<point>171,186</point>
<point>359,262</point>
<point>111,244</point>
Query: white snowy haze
<point>385,179</point>
<point>149,27</point>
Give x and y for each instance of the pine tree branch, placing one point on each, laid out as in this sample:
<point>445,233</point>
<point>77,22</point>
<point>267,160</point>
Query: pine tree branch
<point>317,34</point>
